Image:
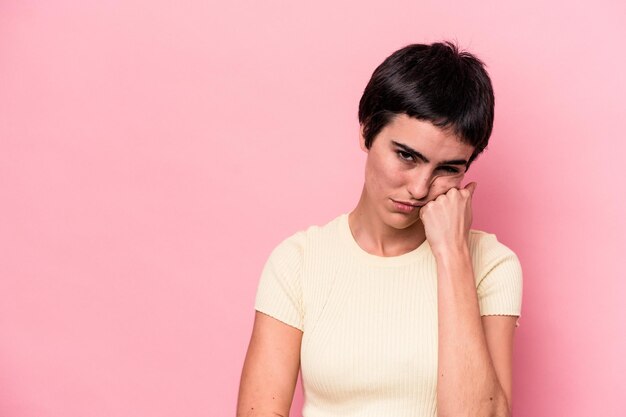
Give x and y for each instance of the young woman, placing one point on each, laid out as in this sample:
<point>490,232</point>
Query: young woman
<point>397,308</point>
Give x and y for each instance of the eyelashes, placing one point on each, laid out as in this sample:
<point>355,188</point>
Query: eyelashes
<point>451,170</point>
<point>407,157</point>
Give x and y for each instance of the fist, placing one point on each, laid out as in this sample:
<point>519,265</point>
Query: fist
<point>447,219</point>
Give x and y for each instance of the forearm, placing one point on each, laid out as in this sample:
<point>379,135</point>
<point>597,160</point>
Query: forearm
<point>467,384</point>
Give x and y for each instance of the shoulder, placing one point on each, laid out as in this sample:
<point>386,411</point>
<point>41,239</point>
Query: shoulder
<point>486,243</point>
<point>488,252</point>
<point>297,244</point>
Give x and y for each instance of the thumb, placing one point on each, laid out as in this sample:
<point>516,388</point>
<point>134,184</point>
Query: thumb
<point>471,187</point>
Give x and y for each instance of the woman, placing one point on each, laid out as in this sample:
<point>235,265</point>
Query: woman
<point>396,308</point>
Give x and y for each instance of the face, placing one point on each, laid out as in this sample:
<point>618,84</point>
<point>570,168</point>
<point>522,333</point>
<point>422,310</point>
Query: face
<point>413,162</point>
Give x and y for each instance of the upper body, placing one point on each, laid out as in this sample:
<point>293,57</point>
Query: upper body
<point>424,117</point>
<point>369,323</point>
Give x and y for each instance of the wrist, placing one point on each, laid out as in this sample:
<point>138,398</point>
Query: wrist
<point>451,253</point>
<point>454,265</point>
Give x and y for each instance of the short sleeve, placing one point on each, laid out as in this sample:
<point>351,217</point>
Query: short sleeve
<point>279,293</point>
<point>499,279</point>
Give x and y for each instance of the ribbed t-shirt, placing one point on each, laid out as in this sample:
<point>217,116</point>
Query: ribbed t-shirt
<point>369,323</point>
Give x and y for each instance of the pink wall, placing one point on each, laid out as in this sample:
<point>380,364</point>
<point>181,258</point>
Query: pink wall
<point>152,154</point>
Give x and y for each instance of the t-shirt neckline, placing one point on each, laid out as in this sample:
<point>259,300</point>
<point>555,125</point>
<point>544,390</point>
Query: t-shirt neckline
<point>404,259</point>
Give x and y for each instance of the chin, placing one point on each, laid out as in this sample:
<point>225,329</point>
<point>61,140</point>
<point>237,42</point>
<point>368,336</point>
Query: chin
<point>401,221</point>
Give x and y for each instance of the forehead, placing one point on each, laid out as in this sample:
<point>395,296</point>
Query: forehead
<point>432,141</point>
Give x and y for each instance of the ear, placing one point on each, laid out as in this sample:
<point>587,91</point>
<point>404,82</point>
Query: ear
<point>362,140</point>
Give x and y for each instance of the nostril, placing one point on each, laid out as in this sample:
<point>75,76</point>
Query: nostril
<point>419,192</point>
<point>419,196</point>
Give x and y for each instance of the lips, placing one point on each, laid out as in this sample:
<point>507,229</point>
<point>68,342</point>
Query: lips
<point>407,204</point>
<point>404,207</point>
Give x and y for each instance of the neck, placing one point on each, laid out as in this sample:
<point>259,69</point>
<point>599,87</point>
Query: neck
<point>377,237</point>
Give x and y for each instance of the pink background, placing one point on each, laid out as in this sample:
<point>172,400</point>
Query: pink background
<point>154,152</point>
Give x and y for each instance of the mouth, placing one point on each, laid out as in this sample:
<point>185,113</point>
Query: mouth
<point>404,206</point>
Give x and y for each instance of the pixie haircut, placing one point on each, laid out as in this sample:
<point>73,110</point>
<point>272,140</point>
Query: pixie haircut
<point>437,83</point>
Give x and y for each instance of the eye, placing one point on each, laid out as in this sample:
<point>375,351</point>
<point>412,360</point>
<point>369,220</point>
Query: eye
<point>450,170</point>
<point>405,156</point>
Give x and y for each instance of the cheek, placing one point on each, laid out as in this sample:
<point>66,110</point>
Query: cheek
<point>383,175</point>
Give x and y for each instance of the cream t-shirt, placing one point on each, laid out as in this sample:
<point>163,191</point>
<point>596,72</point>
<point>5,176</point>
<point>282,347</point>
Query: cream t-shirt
<point>369,323</point>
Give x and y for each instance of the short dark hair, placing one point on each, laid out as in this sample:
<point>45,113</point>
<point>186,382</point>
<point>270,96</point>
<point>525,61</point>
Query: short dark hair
<point>437,83</point>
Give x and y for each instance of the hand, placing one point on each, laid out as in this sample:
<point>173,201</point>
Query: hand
<point>447,219</point>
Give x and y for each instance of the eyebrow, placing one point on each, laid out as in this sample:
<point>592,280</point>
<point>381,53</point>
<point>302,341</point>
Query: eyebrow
<point>418,155</point>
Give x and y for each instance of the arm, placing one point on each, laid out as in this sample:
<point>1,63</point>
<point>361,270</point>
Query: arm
<point>474,360</point>
<point>500,332</point>
<point>474,368</point>
<point>270,370</point>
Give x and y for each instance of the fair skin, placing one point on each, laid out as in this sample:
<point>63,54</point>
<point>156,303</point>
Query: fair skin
<point>474,352</point>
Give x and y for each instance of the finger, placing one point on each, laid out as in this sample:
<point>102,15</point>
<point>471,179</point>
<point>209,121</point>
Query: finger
<point>423,209</point>
<point>471,187</point>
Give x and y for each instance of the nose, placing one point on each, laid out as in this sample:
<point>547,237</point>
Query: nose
<point>419,183</point>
